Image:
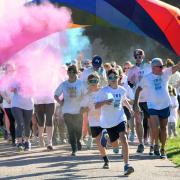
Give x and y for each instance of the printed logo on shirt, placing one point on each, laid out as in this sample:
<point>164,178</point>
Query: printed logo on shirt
<point>141,74</point>
<point>72,91</point>
<point>117,98</point>
<point>157,84</point>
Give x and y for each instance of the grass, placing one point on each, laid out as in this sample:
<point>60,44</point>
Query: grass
<point>173,147</point>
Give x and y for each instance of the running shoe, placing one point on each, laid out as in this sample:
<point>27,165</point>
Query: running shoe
<point>20,147</point>
<point>106,165</point>
<point>156,150</point>
<point>116,150</point>
<point>104,138</point>
<point>131,136</point>
<point>89,142</point>
<point>27,146</point>
<point>128,169</point>
<point>151,150</point>
<point>140,148</point>
<point>163,154</point>
<point>50,148</point>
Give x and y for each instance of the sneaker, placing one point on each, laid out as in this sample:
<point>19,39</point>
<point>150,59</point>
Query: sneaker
<point>106,165</point>
<point>140,148</point>
<point>131,136</point>
<point>89,142</point>
<point>20,147</point>
<point>73,154</point>
<point>27,146</point>
<point>163,154</point>
<point>104,138</point>
<point>50,148</point>
<point>116,150</point>
<point>156,150</point>
<point>151,150</point>
<point>128,169</point>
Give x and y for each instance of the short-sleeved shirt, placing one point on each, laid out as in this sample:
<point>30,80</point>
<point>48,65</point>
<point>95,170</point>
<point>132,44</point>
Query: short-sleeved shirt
<point>72,93</point>
<point>111,115</point>
<point>93,114</point>
<point>156,87</point>
<point>135,74</point>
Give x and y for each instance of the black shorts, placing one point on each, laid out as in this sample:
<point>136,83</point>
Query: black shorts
<point>114,131</point>
<point>95,131</point>
<point>144,109</point>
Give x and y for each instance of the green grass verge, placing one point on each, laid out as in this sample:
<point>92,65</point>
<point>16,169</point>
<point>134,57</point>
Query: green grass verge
<point>1,135</point>
<point>173,148</point>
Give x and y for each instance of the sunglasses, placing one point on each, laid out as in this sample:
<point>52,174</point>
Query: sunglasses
<point>159,67</point>
<point>112,78</point>
<point>71,72</point>
<point>93,81</point>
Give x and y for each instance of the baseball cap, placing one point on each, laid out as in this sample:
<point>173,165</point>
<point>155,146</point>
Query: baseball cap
<point>156,62</point>
<point>97,61</point>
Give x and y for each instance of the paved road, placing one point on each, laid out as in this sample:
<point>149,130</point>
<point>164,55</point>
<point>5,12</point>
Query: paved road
<point>40,164</point>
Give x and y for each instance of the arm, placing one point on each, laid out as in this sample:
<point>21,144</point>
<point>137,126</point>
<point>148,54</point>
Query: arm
<point>58,100</point>
<point>84,110</point>
<point>126,103</point>
<point>102,103</point>
<point>176,67</point>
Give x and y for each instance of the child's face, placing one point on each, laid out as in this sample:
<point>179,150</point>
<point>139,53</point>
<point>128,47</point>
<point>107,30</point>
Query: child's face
<point>93,82</point>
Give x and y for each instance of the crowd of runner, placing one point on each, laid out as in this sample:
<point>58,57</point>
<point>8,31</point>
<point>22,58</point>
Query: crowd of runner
<point>110,103</point>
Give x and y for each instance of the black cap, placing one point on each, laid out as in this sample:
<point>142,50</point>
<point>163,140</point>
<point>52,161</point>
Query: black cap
<point>97,61</point>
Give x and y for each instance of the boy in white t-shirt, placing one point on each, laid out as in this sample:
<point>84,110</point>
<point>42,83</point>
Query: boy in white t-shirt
<point>110,101</point>
<point>158,101</point>
<point>88,106</point>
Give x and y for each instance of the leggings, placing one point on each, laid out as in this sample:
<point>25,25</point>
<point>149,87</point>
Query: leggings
<point>12,123</point>
<point>23,118</point>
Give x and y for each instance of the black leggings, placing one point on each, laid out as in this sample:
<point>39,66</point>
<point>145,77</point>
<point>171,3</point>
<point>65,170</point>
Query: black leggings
<point>12,123</point>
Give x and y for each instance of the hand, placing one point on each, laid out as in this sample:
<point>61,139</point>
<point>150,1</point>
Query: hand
<point>109,101</point>
<point>136,108</point>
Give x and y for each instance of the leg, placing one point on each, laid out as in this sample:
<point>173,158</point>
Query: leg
<point>39,110</point>
<point>18,115</point>
<point>49,111</point>
<point>12,123</point>
<point>163,132</point>
<point>68,118</point>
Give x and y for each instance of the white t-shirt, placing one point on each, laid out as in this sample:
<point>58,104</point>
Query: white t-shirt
<point>135,74</point>
<point>174,79</point>
<point>72,93</point>
<point>7,96</point>
<point>44,100</point>
<point>111,115</point>
<point>156,87</point>
<point>102,73</point>
<point>22,102</point>
<point>93,114</point>
<point>173,109</point>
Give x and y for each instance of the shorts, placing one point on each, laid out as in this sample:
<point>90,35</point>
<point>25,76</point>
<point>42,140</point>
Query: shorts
<point>95,131</point>
<point>144,109</point>
<point>162,114</point>
<point>114,131</point>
